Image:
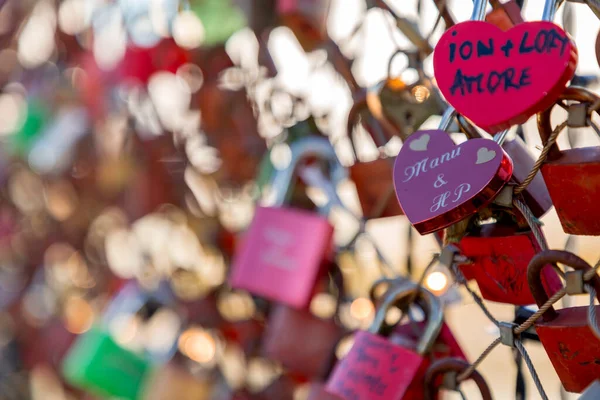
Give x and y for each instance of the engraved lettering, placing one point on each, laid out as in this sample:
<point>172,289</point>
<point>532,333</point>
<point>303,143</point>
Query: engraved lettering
<point>415,170</point>
<point>439,181</point>
<point>440,201</point>
<point>460,190</point>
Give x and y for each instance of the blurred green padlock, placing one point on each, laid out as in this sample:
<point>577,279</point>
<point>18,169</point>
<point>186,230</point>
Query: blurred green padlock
<point>99,365</point>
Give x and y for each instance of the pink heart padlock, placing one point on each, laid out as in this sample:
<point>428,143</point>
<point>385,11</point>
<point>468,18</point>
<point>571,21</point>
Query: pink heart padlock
<point>498,79</point>
<point>439,183</point>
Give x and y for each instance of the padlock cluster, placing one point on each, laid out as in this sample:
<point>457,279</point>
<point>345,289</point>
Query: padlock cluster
<point>182,219</point>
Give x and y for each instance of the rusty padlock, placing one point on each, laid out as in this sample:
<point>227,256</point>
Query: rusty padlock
<point>448,369</point>
<point>570,343</point>
<point>498,255</point>
<point>287,329</point>
<point>283,252</point>
<point>307,19</point>
<point>377,368</point>
<point>504,15</point>
<point>573,176</point>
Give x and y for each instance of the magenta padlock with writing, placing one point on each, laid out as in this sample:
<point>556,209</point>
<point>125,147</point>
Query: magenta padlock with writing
<point>498,256</point>
<point>283,252</point>
<point>570,343</point>
<point>288,328</point>
<point>376,368</point>
<point>439,183</point>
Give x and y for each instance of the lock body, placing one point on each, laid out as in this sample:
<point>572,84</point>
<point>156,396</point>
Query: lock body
<point>444,346</point>
<point>572,347</point>
<point>282,254</point>
<point>172,382</point>
<point>499,265</point>
<point>285,341</point>
<point>375,191</point>
<point>98,364</point>
<point>375,368</point>
<point>573,180</point>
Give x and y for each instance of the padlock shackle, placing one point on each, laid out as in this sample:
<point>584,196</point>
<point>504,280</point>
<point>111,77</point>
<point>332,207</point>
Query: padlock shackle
<point>544,123</point>
<point>312,146</point>
<point>384,281</point>
<point>458,366</point>
<point>434,312</point>
<point>534,274</point>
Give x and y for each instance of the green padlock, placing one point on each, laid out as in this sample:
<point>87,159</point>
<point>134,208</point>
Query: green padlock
<point>96,363</point>
<point>220,18</point>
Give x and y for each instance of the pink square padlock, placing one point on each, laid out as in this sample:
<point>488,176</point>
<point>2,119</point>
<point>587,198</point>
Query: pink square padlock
<point>282,254</point>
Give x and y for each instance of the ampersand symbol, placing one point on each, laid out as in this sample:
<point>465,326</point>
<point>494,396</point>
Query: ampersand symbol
<point>439,181</point>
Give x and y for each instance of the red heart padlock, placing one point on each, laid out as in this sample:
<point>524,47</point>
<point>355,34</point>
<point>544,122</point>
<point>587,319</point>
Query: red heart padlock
<point>439,183</point>
<point>498,258</point>
<point>479,67</point>
<point>376,368</point>
<point>284,250</point>
<point>572,176</point>
<point>286,331</point>
<point>448,368</point>
<point>570,343</point>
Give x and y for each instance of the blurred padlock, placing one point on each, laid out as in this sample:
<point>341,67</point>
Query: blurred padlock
<point>287,330</point>
<point>375,367</point>
<point>504,15</point>
<point>317,391</point>
<point>97,363</point>
<point>449,368</point>
<point>570,343</point>
<point>170,382</point>
<point>572,176</point>
<point>307,19</point>
<point>497,258</point>
<point>284,250</point>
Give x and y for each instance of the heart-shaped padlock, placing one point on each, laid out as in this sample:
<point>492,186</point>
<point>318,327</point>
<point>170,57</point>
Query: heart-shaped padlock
<point>524,70</point>
<point>439,183</point>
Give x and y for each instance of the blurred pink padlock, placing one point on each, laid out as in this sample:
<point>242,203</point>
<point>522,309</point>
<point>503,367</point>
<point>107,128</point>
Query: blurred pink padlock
<point>284,250</point>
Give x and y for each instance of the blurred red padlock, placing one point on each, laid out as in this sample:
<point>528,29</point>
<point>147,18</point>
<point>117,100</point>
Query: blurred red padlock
<point>376,368</point>
<point>570,343</point>
<point>284,250</point>
<point>307,19</point>
<point>504,15</point>
<point>287,329</point>
<point>448,369</point>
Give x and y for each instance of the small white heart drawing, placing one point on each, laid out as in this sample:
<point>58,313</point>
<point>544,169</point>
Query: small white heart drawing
<point>484,155</point>
<point>420,144</point>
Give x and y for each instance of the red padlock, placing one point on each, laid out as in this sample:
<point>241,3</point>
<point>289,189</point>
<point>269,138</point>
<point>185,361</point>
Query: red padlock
<point>284,250</point>
<point>573,176</point>
<point>569,341</point>
<point>286,332</point>
<point>447,369</point>
<point>498,257</point>
<point>376,368</point>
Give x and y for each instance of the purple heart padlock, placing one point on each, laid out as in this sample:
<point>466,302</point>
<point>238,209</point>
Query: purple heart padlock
<point>439,183</point>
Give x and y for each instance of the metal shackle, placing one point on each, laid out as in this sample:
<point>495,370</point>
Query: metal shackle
<point>302,149</point>
<point>534,276</point>
<point>434,312</point>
